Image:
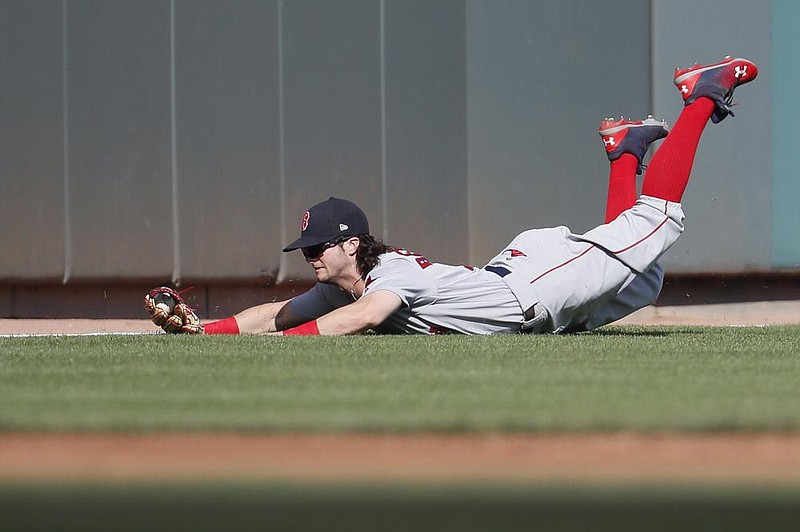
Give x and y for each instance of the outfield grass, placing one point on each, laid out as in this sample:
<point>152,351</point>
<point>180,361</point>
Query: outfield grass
<point>640,378</point>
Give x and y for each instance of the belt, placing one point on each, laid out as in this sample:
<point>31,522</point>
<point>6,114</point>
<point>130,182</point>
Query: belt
<point>535,317</point>
<point>502,271</point>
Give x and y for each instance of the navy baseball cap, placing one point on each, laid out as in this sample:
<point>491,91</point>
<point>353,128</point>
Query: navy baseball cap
<point>330,219</point>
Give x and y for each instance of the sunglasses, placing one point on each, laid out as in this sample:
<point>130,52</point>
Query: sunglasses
<point>315,252</point>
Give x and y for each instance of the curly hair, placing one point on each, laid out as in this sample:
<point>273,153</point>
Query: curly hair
<point>368,252</point>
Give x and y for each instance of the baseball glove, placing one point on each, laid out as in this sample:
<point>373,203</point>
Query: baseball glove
<point>169,311</point>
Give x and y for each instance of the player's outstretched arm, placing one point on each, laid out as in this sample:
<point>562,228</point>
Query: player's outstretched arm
<point>266,318</point>
<point>366,313</point>
<point>260,319</point>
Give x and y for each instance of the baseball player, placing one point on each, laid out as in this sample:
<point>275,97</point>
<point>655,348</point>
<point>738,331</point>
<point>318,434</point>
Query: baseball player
<point>544,281</point>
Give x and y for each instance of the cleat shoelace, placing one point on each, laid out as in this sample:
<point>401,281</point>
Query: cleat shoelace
<point>728,101</point>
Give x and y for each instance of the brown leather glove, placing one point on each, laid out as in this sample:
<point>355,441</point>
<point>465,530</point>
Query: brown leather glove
<point>169,311</point>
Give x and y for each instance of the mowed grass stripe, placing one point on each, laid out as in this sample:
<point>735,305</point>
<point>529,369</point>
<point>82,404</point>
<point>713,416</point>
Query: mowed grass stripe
<point>619,378</point>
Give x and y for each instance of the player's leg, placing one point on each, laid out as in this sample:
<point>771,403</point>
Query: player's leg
<point>621,186</point>
<point>642,291</point>
<point>707,92</point>
<point>626,142</point>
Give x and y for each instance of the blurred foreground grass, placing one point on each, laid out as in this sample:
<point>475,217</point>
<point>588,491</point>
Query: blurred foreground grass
<point>88,508</point>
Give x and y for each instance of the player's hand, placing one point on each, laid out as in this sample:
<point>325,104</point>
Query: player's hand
<point>169,311</point>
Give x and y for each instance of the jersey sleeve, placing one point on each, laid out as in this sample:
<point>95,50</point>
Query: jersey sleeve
<point>318,301</point>
<point>404,278</point>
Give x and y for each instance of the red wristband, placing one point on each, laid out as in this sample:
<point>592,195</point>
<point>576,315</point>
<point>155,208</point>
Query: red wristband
<point>305,329</point>
<point>226,326</point>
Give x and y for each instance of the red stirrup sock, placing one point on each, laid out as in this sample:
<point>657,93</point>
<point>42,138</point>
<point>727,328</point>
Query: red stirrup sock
<point>226,326</point>
<point>621,186</point>
<point>306,329</point>
<point>668,172</point>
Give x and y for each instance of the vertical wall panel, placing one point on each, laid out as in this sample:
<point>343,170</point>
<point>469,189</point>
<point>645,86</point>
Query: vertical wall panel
<point>425,121</point>
<point>540,77</point>
<point>119,138</point>
<point>332,111</point>
<point>31,149</point>
<point>727,202</point>
<point>227,138</point>
<point>785,74</point>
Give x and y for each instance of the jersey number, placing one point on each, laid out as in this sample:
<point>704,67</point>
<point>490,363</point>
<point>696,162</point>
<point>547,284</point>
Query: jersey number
<point>422,261</point>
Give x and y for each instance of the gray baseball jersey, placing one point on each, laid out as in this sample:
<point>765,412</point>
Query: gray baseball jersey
<point>545,280</point>
<point>437,298</point>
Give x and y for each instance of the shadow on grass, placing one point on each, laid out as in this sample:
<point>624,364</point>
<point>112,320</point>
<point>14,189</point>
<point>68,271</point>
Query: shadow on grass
<point>637,332</point>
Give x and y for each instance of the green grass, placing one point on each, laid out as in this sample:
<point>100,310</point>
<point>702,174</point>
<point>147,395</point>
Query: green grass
<point>87,508</point>
<point>621,378</point>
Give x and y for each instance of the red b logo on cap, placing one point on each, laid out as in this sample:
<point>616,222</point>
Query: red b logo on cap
<point>304,223</point>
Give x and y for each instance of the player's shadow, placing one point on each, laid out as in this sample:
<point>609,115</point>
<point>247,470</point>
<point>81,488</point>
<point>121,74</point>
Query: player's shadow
<point>654,333</point>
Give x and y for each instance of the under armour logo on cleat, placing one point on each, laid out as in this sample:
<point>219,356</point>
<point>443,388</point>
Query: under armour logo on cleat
<point>684,89</point>
<point>609,141</point>
<point>740,71</point>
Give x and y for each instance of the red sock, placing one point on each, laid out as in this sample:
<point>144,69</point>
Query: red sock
<point>621,186</point>
<point>306,329</point>
<point>668,172</point>
<point>226,326</point>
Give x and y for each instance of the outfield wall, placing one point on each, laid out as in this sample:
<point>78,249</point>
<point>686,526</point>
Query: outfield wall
<point>180,140</point>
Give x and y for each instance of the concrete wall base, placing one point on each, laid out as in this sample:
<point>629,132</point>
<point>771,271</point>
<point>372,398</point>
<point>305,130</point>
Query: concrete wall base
<point>219,300</point>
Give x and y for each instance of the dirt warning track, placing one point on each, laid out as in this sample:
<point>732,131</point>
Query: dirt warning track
<point>623,457</point>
